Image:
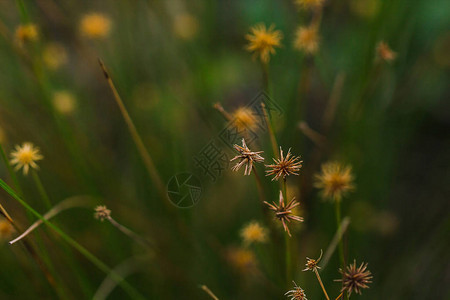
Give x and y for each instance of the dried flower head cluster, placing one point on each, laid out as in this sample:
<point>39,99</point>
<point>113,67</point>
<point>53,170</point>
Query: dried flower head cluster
<point>309,4</point>
<point>102,213</point>
<point>25,156</point>
<point>95,26</point>
<point>263,41</point>
<point>27,33</point>
<point>283,212</point>
<point>284,166</point>
<point>385,52</point>
<point>297,293</point>
<point>307,39</point>
<point>254,233</point>
<point>334,180</point>
<point>354,279</point>
<point>312,264</point>
<point>246,157</point>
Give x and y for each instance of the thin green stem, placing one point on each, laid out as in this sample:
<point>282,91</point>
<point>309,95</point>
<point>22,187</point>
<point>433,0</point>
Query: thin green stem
<point>41,189</point>
<point>88,255</point>
<point>341,243</point>
<point>338,222</point>
<point>287,240</point>
<point>265,73</point>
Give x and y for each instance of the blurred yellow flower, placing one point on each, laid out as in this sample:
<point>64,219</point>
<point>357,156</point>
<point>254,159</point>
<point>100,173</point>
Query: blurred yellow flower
<point>309,4</point>
<point>27,33</point>
<point>25,156</point>
<point>185,26</point>
<point>245,119</point>
<point>54,56</point>
<point>335,180</point>
<point>95,25</point>
<point>385,53</point>
<point>243,260</point>
<point>254,233</point>
<point>307,39</point>
<point>365,8</point>
<point>64,102</point>
<point>262,41</point>
<point>6,229</point>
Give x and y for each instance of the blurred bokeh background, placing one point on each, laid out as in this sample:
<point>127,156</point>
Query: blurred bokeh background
<point>171,61</point>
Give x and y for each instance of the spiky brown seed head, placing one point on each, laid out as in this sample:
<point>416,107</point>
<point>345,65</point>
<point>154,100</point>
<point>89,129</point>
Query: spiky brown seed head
<point>283,211</point>
<point>354,279</point>
<point>297,293</point>
<point>312,264</point>
<point>284,166</point>
<point>102,213</point>
<point>246,158</point>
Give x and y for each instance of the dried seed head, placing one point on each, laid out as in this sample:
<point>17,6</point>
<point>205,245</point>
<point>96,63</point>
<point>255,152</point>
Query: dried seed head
<point>355,279</point>
<point>246,157</point>
<point>262,41</point>
<point>335,180</point>
<point>283,212</point>
<point>254,233</point>
<point>25,156</point>
<point>284,166</point>
<point>307,39</point>
<point>297,293</point>
<point>311,264</point>
<point>385,52</point>
<point>102,213</point>
<point>95,26</point>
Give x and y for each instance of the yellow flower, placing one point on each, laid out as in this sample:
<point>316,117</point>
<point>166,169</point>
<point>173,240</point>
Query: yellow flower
<point>309,4</point>
<point>95,26</point>
<point>25,156</point>
<point>254,233</point>
<point>185,26</point>
<point>245,119</point>
<point>54,56</point>
<point>307,39</point>
<point>385,53</point>
<point>64,102</point>
<point>335,180</point>
<point>262,41</point>
<point>27,33</point>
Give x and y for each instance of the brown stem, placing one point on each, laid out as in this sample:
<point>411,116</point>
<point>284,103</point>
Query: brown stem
<point>145,155</point>
<point>321,284</point>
